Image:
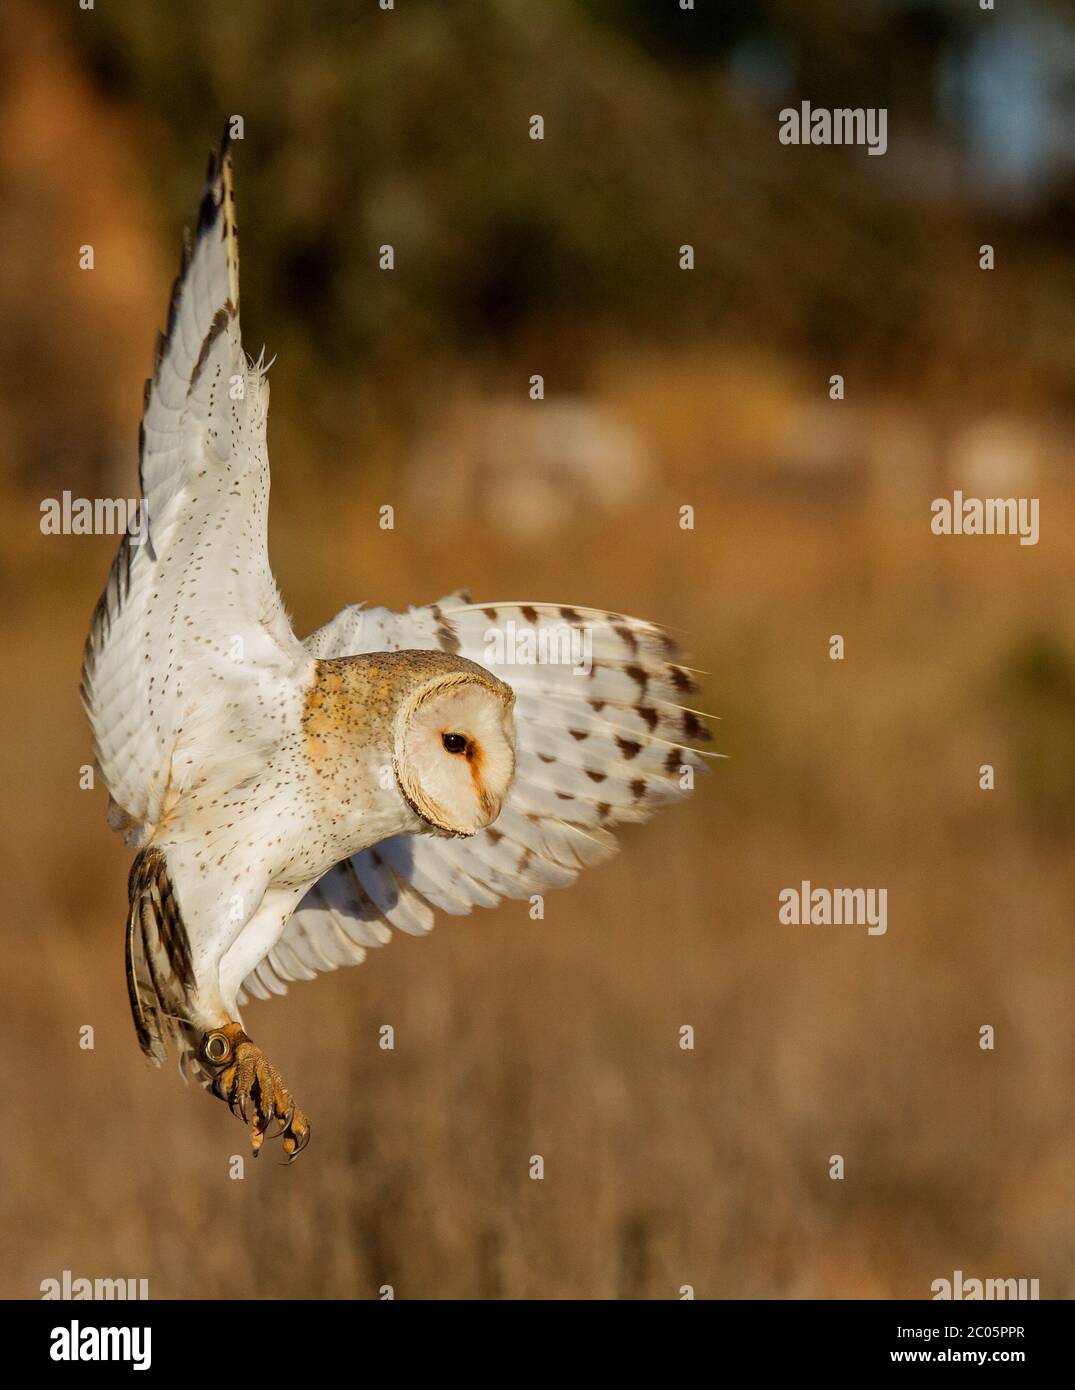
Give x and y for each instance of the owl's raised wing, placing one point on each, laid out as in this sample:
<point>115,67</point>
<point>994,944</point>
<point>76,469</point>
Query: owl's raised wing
<point>190,633</point>
<point>600,739</point>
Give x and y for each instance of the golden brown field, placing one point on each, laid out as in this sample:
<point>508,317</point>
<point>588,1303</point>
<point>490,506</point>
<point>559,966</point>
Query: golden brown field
<point>560,1037</point>
<point>663,1167</point>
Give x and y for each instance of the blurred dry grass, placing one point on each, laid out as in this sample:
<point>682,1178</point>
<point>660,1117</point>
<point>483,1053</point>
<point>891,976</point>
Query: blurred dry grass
<point>560,1037</point>
<point>663,1168</point>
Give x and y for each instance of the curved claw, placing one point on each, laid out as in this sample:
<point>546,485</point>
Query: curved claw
<point>285,1120</point>
<point>255,1093</point>
<point>300,1141</point>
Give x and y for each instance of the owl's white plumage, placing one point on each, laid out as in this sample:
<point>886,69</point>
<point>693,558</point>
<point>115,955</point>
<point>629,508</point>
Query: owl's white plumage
<point>293,802</point>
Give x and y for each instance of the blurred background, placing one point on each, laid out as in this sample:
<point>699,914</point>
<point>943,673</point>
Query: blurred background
<point>663,387</point>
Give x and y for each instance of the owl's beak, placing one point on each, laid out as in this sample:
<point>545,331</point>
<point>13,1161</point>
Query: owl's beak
<point>491,806</point>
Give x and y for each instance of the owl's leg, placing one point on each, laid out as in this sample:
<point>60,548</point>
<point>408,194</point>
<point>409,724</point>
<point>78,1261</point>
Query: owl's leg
<point>242,1075</point>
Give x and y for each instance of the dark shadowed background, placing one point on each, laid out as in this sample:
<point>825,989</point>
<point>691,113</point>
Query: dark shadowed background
<point>664,388</point>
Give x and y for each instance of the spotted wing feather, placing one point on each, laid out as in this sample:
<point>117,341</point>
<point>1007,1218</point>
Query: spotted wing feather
<point>190,626</point>
<point>594,749</point>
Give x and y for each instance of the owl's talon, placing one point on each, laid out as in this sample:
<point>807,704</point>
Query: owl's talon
<point>254,1091</point>
<point>296,1135</point>
<point>282,1122</point>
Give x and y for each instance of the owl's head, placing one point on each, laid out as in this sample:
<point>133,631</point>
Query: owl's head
<point>455,749</point>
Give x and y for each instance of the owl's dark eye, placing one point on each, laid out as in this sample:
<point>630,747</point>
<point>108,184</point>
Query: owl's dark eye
<point>454,743</point>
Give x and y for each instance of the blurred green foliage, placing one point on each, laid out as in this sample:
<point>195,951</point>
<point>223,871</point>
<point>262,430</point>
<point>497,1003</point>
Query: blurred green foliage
<point>1036,684</point>
<point>410,127</point>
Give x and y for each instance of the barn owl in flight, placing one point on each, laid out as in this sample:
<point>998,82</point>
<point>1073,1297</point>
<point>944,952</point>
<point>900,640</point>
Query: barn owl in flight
<point>293,801</point>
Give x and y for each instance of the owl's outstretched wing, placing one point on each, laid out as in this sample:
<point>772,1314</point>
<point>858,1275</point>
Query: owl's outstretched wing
<point>601,737</point>
<point>190,632</point>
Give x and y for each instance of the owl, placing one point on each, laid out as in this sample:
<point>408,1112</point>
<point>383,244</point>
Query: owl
<point>292,803</point>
